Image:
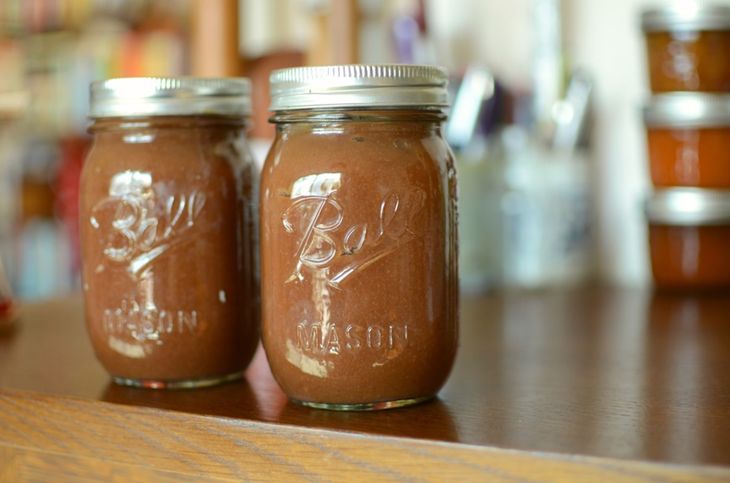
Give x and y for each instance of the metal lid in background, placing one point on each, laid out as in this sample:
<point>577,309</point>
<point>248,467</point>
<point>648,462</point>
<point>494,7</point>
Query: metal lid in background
<point>170,96</point>
<point>686,16</point>
<point>386,85</point>
<point>689,207</point>
<point>688,109</point>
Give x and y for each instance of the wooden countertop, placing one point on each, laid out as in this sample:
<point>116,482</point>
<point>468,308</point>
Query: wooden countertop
<point>583,383</point>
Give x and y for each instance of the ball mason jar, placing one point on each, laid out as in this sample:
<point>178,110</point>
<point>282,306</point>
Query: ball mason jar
<point>358,236</point>
<point>168,231</point>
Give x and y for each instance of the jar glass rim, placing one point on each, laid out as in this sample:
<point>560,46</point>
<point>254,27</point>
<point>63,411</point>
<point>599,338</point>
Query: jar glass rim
<point>361,114</point>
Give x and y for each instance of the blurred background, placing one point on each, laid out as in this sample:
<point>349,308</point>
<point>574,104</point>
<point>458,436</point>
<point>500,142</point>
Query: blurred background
<point>546,118</point>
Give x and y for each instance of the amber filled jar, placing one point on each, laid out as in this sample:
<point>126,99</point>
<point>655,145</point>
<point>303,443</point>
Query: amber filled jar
<point>168,231</point>
<point>688,137</point>
<point>358,236</point>
<point>689,238</point>
<point>688,47</point>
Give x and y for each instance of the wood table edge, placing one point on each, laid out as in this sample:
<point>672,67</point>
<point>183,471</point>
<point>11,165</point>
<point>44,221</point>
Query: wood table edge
<point>156,442</point>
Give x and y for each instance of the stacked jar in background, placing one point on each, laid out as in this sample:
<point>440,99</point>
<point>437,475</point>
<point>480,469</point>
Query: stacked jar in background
<point>687,123</point>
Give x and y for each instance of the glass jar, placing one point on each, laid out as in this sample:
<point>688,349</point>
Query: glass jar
<point>358,236</point>
<point>688,47</point>
<point>688,138</point>
<point>689,236</point>
<point>168,231</point>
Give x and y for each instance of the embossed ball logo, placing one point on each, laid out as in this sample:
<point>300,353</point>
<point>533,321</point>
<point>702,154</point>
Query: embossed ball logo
<point>329,249</point>
<point>136,225</point>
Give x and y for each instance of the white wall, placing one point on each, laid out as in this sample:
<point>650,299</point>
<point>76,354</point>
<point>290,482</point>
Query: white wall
<point>605,37</point>
<point>494,32</point>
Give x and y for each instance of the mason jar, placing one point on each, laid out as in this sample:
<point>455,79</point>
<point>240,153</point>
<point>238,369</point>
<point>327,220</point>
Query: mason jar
<point>358,236</point>
<point>688,140</point>
<point>689,236</point>
<point>168,231</point>
<point>688,47</point>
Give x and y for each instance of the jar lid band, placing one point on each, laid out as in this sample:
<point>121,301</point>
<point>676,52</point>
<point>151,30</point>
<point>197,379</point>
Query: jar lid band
<point>689,207</point>
<point>358,85</point>
<point>688,109</point>
<point>686,16</point>
<point>170,96</point>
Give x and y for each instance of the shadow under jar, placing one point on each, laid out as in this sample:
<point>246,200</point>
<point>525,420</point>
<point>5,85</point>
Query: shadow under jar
<point>689,238</point>
<point>168,231</point>
<point>688,139</point>
<point>358,237</point>
<point>688,47</point>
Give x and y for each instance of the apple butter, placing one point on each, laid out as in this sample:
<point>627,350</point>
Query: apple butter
<point>688,138</point>
<point>688,47</point>
<point>169,230</point>
<point>358,236</point>
<point>689,236</point>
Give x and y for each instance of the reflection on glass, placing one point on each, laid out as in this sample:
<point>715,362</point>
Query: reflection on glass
<point>130,183</point>
<point>320,184</point>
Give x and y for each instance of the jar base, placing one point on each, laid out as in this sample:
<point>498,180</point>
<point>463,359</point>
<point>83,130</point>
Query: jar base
<point>177,384</point>
<point>374,406</point>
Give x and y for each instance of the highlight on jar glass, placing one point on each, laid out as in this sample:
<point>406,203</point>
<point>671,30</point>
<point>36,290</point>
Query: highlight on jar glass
<point>688,137</point>
<point>358,236</point>
<point>688,47</point>
<point>168,231</point>
<point>689,238</point>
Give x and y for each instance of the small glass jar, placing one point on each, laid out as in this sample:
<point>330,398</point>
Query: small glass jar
<point>688,47</point>
<point>358,236</point>
<point>168,231</point>
<point>688,138</point>
<point>689,238</point>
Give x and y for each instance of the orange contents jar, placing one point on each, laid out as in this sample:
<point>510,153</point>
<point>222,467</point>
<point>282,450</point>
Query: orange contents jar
<point>688,136</point>
<point>688,47</point>
<point>689,238</point>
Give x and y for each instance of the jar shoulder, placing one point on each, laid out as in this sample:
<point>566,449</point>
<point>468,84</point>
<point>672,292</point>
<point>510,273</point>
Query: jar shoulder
<point>353,153</point>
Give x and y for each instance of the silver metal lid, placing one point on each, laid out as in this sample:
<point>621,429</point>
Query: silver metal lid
<point>686,16</point>
<point>688,109</point>
<point>170,96</point>
<point>689,207</point>
<point>357,85</point>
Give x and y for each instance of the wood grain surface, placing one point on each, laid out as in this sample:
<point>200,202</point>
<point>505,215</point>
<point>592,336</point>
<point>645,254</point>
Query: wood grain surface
<point>147,443</point>
<point>595,383</point>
